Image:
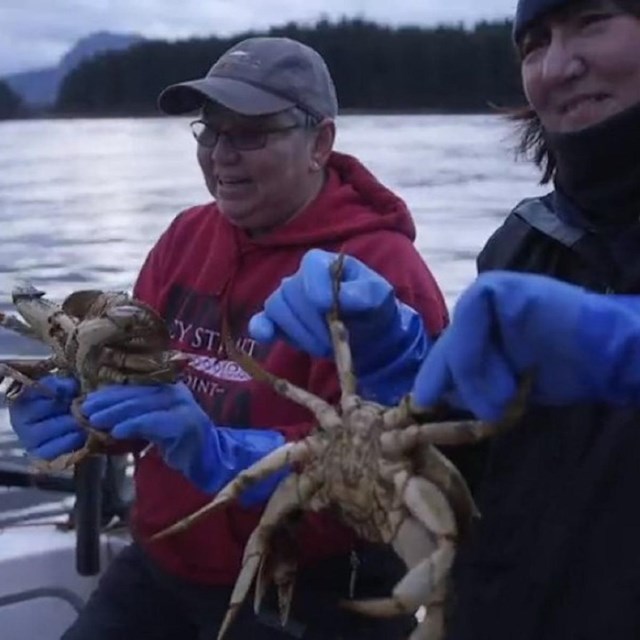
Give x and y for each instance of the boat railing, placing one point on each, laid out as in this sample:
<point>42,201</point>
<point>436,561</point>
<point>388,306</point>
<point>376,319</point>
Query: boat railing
<point>56,593</point>
<point>102,492</point>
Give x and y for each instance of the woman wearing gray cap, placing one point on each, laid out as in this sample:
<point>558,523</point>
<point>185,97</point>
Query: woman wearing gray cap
<point>265,131</point>
<point>555,554</point>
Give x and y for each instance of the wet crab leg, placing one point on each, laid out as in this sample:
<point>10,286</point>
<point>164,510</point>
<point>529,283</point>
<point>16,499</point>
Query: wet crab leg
<point>283,575</point>
<point>431,519</point>
<point>76,412</point>
<point>21,371</point>
<point>292,492</point>
<point>49,322</point>
<point>340,337</point>
<point>17,326</point>
<point>428,563</point>
<point>291,453</point>
<point>322,410</point>
<point>453,432</point>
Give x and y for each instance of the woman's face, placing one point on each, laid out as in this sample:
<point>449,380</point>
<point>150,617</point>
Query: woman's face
<point>261,169</point>
<point>581,65</point>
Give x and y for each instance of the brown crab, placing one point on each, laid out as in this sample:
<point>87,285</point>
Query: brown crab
<point>377,468</point>
<point>100,338</point>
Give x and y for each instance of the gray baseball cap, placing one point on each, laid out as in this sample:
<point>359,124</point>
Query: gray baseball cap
<point>259,76</point>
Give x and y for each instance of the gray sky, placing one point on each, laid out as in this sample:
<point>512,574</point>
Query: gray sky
<point>36,33</point>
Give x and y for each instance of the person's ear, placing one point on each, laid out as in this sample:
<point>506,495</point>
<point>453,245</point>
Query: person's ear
<point>323,141</point>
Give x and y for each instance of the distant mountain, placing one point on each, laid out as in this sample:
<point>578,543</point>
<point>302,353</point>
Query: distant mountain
<point>39,88</point>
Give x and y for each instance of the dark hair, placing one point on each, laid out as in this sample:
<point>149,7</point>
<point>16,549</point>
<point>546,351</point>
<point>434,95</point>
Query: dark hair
<point>532,143</point>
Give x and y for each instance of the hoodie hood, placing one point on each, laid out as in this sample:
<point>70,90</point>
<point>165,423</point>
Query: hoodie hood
<point>352,201</point>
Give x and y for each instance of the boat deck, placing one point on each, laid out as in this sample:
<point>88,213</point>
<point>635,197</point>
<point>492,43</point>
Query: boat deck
<point>40,588</point>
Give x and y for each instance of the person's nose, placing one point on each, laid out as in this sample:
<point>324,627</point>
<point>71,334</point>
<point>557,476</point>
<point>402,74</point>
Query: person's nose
<point>563,60</point>
<point>223,152</point>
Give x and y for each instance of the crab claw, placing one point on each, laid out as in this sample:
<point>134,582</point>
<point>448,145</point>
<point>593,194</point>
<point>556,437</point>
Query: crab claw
<point>25,291</point>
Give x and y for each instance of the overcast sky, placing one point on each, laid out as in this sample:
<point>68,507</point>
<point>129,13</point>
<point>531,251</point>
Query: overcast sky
<point>36,33</point>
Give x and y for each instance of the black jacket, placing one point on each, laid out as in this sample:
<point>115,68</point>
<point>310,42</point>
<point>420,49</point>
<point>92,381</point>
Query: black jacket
<point>556,555</point>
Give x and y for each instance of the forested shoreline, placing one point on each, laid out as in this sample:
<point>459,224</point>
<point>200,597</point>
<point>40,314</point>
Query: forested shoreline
<point>446,69</point>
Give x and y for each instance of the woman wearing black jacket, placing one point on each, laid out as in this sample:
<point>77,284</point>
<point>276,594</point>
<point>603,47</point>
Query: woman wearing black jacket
<point>555,556</point>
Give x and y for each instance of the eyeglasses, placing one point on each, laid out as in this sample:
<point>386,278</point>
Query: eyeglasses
<point>240,140</point>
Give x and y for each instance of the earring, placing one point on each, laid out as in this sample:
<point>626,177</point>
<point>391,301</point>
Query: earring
<point>315,165</point>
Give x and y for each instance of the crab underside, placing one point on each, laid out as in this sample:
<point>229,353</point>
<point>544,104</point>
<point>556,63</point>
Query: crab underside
<point>379,470</point>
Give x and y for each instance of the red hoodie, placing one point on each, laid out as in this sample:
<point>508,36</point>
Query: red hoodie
<point>202,268</point>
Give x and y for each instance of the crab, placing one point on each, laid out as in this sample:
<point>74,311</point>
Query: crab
<point>100,338</point>
<point>377,468</point>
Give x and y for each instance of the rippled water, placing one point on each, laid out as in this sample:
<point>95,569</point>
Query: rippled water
<point>82,201</point>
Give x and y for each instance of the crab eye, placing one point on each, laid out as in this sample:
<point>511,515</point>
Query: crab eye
<point>123,316</point>
<point>123,311</point>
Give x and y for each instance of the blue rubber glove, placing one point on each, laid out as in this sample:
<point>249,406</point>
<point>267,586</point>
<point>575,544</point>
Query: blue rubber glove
<point>43,423</point>
<point>168,416</point>
<point>387,337</point>
<point>580,346</point>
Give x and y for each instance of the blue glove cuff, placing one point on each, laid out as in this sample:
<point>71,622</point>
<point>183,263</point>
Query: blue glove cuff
<point>226,452</point>
<point>386,369</point>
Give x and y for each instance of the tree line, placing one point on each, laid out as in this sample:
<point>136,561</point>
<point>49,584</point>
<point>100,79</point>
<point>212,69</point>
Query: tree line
<point>375,68</point>
<point>11,105</point>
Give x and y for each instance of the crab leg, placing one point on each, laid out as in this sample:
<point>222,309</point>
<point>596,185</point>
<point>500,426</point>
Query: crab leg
<point>108,375</point>
<point>292,492</point>
<point>431,524</point>
<point>47,320</point>
<point>91,445</point>
<point>140,363</point>
<point>16,325</point>
<point>448,433</point>
<point>288,454</point>
<point>29,367</point>
<point>438,433</point>
<point>344,361</point>
<point>87,336</point>
<point>20,373</point>
<point>280,567</point>
<point>432,626</point>
<point>455,432</point>
<point>426,581</point>
<point>284,577</point>
<point>340,338</point>
<point>76,412</point>
<point>405,414</point>
<point>118,366</point>
<point>327,416</point>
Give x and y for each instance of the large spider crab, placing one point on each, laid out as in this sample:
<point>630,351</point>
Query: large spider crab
<point>100,338</point>
<point>377,468</point>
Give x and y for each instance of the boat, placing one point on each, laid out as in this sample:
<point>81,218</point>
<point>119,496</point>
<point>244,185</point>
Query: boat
<point>58,531</point>
<point>52,554</point>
